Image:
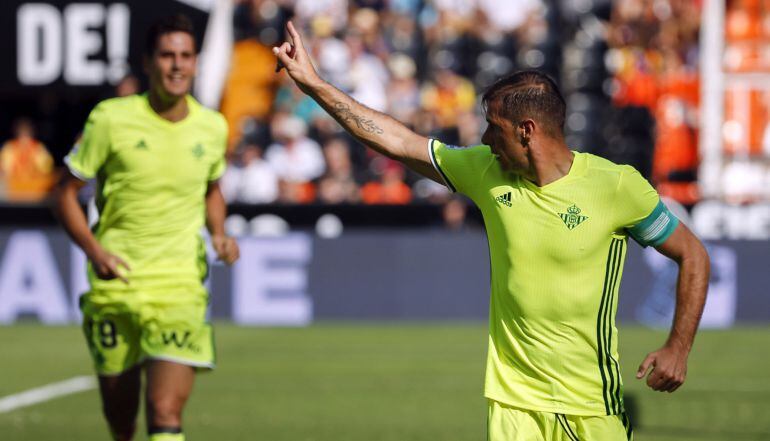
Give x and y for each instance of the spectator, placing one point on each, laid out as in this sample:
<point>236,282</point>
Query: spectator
<point>296,159</point>
<point>449,96</point>
<point>390,189</point>
<point>338,185</point>
<point>454,214</point>
<point>128,85</point>
<point>403,93</point>
<point>25,164</point>
<point>257,182</point>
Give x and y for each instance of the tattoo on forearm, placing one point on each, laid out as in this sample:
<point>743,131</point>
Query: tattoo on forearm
<point>343,112</point>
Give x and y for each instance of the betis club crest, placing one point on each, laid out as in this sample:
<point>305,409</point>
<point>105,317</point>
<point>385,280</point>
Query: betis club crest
<point>572,218</point>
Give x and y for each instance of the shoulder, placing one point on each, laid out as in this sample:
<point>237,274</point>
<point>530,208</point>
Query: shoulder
<point>474,150</point>
<point>208,116</point>
<point>605,170</point>
<point>115,109</point>
<point>119,104</point>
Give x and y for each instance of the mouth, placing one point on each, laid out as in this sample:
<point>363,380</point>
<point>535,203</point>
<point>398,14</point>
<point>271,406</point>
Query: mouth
<point>177,79</point>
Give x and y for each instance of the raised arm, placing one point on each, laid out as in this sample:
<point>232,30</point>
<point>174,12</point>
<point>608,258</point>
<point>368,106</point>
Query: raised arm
<point>669,363</point>
<point>375,129</point>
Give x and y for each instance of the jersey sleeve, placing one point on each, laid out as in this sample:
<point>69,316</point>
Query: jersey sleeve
<point>220,163</point>
<point>643,214</point>
<point>459,167</point>
<point>90,153</point>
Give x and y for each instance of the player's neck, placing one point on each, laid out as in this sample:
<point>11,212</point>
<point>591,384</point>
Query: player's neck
<point>173,109</point>
<point>551,162</point>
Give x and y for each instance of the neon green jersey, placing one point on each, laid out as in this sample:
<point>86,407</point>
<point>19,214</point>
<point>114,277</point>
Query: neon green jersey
<point>557,255</point>
<point>152,177</point>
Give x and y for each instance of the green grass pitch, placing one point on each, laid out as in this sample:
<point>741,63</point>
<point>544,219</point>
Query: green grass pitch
<point>380,382</point>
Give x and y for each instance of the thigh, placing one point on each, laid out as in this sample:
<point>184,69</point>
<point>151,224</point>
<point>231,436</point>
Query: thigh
<point>506,423</point>
<point>120,393</point>
<point>610,427</point>
<point>113,338</point>
<point>178,333</point>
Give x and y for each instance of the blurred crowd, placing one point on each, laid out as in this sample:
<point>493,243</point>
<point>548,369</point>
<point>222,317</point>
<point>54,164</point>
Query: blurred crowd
<point>422,62</point>
<point>628,69</point>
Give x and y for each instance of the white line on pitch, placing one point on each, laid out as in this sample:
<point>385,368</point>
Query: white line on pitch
<point>46,393</point>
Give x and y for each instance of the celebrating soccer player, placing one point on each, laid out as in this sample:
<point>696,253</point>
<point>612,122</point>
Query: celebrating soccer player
<point>156,158</point>
<point>557,223</point>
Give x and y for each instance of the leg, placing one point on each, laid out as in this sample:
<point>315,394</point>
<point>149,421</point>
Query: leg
<point>609,427</point>
<point>114,345</point>
<point>169,385</point>
<point>120,402</point>
<point>506,423</point>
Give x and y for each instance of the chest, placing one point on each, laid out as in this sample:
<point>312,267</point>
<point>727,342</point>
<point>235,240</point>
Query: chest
<point>175,157</point>
<point>562,226</point>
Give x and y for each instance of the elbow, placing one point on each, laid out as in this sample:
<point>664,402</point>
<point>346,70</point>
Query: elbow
<point>698,258</point>
<point>705,258</point>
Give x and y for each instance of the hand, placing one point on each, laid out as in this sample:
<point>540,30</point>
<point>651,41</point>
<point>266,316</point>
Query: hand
<point>226,248</point>
<point>293,56</point>
<point>669,368</point>
<point>107,266</point>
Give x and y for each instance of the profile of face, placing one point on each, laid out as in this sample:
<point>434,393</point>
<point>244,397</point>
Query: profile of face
<point>172,67</point>
<point>509,142</point>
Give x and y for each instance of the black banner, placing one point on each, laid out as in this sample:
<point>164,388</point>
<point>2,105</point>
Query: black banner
<point>60,45</point>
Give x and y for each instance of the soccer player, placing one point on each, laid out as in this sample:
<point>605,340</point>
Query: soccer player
<point>156,158</point>
<point>557,223</point>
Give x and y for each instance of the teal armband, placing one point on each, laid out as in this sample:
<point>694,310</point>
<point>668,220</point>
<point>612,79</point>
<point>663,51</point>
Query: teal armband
<point>655,228</point>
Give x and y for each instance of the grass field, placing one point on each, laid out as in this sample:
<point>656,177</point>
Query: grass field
<point>380,382</point>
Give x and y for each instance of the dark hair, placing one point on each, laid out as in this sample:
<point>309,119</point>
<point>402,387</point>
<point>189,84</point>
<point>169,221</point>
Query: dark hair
<point>167,25</point>
<point>528,94</point>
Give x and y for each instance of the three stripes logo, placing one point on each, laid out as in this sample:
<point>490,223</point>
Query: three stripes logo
<point>608,366</point>
<point>141,145</point>
<point>505,199</point>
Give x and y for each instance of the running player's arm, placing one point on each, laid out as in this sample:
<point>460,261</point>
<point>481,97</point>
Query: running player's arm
<point>375,129</point>
<point>70,214</point>
<point>83,163</point>
<point>670,362</point>
<point>226,247</point>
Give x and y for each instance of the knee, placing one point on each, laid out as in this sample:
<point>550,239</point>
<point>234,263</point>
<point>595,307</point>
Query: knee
<point>165,411</point>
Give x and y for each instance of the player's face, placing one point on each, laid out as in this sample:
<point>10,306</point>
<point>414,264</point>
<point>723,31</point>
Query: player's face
<point>504,141</point>
<point>172,66</point>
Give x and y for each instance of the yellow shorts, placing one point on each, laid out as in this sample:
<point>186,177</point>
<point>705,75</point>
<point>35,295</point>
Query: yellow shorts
<point>506,423</point>
<point>120,336</point>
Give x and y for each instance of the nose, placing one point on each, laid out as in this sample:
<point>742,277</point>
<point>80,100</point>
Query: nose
<point>485,137</point>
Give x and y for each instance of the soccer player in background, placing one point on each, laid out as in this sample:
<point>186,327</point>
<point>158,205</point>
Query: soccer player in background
<point>156,158</point>
<point>557,223</point>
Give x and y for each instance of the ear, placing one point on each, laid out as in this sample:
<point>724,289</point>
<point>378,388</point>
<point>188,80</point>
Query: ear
<point>526,129</point>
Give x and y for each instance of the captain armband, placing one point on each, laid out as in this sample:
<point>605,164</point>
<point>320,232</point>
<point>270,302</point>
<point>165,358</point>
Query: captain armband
<point>655,228</point>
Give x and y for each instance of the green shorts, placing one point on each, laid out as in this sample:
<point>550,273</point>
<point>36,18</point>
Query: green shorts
<point>506,423</point>
<point>120,336</point>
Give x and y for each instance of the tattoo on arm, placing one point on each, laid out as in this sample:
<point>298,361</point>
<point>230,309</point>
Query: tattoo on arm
<point>343,112</point>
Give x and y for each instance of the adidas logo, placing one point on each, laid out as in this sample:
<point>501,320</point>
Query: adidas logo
<point>505,199</point>
<point>141,145</point>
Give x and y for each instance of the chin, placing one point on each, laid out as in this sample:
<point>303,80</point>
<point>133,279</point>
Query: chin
<point>176,91</point>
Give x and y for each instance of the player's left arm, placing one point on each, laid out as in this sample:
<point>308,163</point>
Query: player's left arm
<point>669,363</point>
<point>226,247</point>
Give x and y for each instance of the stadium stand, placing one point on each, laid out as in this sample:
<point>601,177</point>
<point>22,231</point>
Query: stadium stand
<point>629,71</point>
